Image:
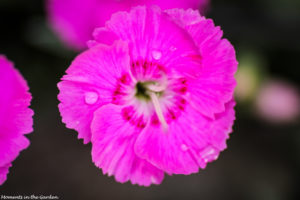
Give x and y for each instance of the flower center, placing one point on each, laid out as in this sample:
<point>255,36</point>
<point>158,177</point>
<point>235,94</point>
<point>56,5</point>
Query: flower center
<point>148,92</point>
<point>141,91</point>
<point>151,91</point>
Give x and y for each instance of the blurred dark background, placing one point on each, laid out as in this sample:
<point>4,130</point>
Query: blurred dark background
<point>262,161</point>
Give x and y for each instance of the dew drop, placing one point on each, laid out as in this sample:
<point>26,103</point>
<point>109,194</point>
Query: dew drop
<point>184,147</point>
<point>209,154</point>
<point>156,55</point>
<point>91,97</point>
<point>153,180</point>
<point>172,48</point>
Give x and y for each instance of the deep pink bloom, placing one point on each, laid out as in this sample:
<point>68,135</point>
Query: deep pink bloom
<point>15,116</point>
<point>75,20</point>
<point>278,101</point>
<point>154,94</point>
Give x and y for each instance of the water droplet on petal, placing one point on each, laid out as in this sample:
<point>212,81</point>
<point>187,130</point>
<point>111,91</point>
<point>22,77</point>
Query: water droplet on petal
<point>156,55</point>
<point>172,48</point>
<point>184,147</point>
<point>209,154</point>
<point>153,180</point>
<point>91,97</point>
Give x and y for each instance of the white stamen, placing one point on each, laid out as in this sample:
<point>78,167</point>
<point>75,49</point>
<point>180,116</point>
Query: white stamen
<point>158,110</point>
<point>156,88</point>
<point>159,87</point>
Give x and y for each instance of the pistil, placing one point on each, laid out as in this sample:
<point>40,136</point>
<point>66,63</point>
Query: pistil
<point>158,110</point>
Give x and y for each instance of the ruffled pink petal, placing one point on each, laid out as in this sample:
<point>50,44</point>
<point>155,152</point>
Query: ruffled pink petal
<point>153,37</point>
<point>15,116</point>
<point>72,20</point>
<point>89,84</point>
<point>215,85</point>
<point>222,126</point>
<point>185,17</point>
<point>11,147</point>
<point>168,4</point>
<point>190,142</point>
<point>76,112</point>
<point>75,20</point>
<point>3,173</point>
<point>113,141</point>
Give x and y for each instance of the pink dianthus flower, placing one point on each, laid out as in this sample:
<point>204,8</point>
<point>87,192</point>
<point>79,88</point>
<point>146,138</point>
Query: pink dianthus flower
<point>154,94</point>
<point>75,20</point>
<point>15,116</point>
<point>278,102</point>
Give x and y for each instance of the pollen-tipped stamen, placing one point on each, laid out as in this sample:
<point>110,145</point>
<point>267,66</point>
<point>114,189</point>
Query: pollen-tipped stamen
<point>157,88</point>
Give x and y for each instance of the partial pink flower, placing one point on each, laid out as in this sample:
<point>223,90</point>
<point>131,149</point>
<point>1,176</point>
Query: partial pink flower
<point>154,94</point>
<point>75,20</point>
<point>15,116</point>
<point>278,102</point>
